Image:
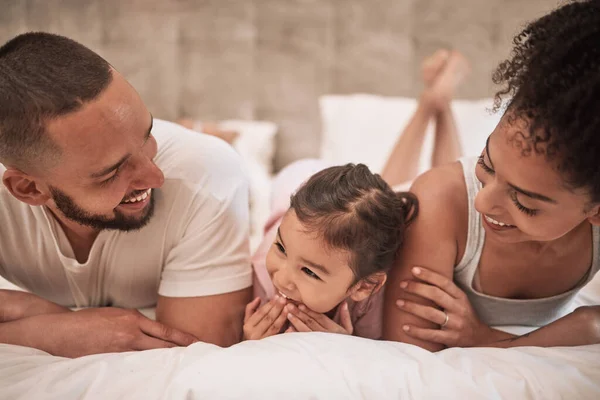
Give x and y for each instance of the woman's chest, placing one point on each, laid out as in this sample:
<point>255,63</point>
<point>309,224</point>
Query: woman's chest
<point>513,272</point>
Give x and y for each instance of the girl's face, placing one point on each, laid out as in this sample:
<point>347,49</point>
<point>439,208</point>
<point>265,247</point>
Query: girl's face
<point>304,270</point>
<point>523,197</point>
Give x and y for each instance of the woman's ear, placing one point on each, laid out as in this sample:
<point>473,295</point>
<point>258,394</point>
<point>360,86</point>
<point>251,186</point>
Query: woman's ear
<point>368,286</point>
<point>24,187</point>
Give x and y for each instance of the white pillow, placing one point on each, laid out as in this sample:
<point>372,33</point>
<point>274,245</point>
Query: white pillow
<point>256,146</point>
<point>364,128</point>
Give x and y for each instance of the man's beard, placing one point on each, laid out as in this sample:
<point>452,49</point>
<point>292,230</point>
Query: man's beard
<point>120,221</point>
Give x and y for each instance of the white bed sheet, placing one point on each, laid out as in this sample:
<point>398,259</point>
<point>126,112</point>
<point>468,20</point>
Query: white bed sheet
<point>303,366</point>
<point>315,366</point>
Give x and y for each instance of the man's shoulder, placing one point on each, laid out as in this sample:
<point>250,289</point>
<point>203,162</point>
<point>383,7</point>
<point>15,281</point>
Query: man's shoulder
<point>196,160</point>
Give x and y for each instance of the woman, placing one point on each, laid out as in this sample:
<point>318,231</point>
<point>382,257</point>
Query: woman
<point>517,228</point>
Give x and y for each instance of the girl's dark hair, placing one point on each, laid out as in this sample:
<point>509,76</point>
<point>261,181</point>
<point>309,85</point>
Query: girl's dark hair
<point>552,81</point>
<point>355,210</point>
<point>43,76</point>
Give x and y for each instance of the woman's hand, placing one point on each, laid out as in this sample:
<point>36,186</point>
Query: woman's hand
<point>304,320</point>
<point>264,321</point>
<point>459,324</point>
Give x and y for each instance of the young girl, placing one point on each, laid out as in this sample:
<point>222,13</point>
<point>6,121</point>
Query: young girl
<point>328,248</point>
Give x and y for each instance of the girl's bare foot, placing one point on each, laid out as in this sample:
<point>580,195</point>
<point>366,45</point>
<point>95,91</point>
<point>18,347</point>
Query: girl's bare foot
<point>442,90</point>
<point>432,65</point>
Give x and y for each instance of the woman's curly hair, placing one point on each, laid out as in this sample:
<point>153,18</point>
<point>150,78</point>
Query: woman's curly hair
<point>552,82</point>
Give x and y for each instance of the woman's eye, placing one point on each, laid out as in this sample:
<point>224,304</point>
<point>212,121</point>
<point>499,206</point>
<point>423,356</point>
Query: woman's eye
<point>528,211</point>
<point>310,273</point>
<point>483,165</point>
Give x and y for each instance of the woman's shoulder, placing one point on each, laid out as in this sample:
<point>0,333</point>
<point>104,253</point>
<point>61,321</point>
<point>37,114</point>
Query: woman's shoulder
<point>443,201</point>
<point>444,185</point>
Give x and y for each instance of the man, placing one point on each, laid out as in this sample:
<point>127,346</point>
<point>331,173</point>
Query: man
<point>103,205</point>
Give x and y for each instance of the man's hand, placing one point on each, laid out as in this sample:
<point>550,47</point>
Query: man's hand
<point>92,331</point>
<point>265,321</point>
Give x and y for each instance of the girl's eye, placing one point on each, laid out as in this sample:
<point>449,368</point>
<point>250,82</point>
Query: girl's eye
<point>310,273</point>
<point>482,164</point>
<point>521,207</point>
<point>280,247</point>
<point>111,179</point>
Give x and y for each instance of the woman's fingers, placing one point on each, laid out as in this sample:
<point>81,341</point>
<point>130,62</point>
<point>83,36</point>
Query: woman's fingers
<point>436,279</point>
<point>446,338</point>
<point>428,313</point>
<point>429,292</point>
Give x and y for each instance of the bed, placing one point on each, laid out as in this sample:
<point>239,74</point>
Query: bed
<point>321,366</point>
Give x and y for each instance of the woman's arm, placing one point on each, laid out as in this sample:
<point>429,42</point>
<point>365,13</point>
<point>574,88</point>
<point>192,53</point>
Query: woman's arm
<point>431,241</point>
<point>581,327</point>
<point>464,329</point>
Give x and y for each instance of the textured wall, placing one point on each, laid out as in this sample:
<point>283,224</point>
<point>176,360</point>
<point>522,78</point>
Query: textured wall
<point>272,59</point>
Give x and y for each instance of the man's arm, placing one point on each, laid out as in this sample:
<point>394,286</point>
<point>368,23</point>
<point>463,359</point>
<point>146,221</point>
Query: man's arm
<point>430,242</point>
<point>15,305</point>
<point>214,319</point>
<point>91,331</point>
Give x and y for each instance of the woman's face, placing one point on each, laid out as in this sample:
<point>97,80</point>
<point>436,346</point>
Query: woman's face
<point>523,197</point>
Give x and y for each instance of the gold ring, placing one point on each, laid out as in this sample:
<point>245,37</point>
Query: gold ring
<point>446,320</point>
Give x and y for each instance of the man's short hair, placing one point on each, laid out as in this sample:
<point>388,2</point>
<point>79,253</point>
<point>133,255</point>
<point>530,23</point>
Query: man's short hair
<point>43,76</point>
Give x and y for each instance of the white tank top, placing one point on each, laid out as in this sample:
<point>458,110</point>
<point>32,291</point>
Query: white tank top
<point>496,311</point>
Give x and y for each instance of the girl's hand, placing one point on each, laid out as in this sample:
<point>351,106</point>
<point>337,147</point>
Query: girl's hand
<point>268,320</point>
<point>459,324</point>
<point>304,320</point>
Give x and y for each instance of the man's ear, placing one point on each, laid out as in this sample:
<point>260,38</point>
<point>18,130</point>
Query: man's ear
<point>24,187</point>
<point>368,286</point>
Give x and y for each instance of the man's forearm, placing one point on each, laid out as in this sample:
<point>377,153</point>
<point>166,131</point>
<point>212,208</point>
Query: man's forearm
<point>15,305</point>
<point>579,328</point>
<point>29,332</point>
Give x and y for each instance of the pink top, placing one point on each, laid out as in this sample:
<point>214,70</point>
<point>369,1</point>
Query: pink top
<point>366,315</point>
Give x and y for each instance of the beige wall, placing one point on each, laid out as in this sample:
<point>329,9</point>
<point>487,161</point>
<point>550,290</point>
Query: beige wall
<point>271,59</point>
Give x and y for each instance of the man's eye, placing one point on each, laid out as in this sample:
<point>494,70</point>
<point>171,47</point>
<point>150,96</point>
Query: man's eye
<point>111,179</point>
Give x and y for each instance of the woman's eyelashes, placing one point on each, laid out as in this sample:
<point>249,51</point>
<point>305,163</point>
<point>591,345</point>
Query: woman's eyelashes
<point>484,166</point>
<point>530,212</point>
<point>513,195</point>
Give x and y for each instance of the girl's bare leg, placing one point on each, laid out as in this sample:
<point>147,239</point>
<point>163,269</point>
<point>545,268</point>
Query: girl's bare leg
<point>447,146</point>
<point>403,163</point>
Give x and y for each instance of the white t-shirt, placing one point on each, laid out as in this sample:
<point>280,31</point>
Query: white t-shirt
<point>196,244</point>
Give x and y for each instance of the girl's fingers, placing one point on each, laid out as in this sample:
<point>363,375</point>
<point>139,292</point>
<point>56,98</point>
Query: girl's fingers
<point>345,319</point>
<point>269,316</point>
<point>298,324</point>
<point>251,308</point>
